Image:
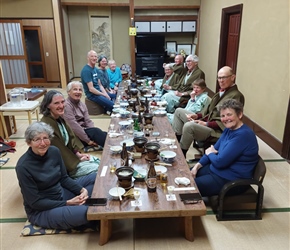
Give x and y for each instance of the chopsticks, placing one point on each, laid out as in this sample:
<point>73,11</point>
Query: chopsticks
<point>120,197</point>
<point>163,164</point>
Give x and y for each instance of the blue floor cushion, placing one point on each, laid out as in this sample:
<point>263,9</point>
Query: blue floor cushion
<point>30,230</point>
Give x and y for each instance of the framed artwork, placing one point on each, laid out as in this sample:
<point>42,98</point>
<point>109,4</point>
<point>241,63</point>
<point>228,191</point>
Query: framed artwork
<point>171,47</point>
<point>185,47</point>
<point>101,35</point>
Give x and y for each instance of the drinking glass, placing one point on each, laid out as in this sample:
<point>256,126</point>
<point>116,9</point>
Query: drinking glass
<point>170,190</point>
<point>166,133</point>
<point>172,143</point>
<point>137,196</point>
<point>112,128</point>
<point>113,165</point>
<point>163,179</point>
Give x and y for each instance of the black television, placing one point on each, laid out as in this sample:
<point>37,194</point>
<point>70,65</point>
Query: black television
<point>150,45</point>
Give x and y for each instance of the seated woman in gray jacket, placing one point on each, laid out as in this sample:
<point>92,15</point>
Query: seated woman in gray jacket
<point>77,163</point>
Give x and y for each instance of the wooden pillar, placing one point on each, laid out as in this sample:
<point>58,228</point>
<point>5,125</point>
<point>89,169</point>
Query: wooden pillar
<point>3,99</point>
<point>132,38</point>
<point>56,6</point>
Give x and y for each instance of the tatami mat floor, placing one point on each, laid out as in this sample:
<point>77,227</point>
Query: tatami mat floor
<point>272,232</point>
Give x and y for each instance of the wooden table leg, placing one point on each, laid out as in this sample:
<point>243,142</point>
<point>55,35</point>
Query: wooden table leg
<point>37,114</point>
<point>105,231</point>
<point>188,228</point>
<point>29,117</point>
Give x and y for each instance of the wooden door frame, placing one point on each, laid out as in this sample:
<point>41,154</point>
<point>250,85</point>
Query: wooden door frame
<point>226,12</point>
<point>286,138</point>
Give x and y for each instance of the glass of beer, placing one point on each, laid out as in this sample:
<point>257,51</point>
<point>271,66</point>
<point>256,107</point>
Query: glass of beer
<point>113,165</point>
<point>163,179</point>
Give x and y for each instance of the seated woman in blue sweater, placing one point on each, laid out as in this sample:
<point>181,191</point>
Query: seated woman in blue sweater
<point>115,75</point>
<point>234,156</point>
<point>51,198</point>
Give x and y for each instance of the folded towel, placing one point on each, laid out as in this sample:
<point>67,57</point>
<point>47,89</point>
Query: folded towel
<point>182,180</point>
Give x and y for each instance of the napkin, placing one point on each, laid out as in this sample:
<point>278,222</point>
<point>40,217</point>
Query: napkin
<point>182,180</point>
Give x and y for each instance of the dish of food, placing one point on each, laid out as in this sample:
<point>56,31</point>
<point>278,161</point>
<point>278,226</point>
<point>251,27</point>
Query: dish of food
<point>115,192</point>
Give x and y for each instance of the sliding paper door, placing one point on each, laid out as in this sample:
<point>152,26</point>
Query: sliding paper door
<point>12,54</point>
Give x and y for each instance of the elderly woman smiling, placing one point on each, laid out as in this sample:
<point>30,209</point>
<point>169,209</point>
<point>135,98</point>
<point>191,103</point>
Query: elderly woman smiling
<point>51,198</point>
<point>234,155</point>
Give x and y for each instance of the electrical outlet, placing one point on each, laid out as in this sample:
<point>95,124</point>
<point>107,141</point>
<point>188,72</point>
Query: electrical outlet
<point>132,31</point>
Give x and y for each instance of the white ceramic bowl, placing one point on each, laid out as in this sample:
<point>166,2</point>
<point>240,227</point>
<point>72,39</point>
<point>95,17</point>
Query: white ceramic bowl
<point>116,191</point>
<point>138,134</point>
<point>116,149</point>
<point>160,113</point>
<point>124,113</point>
<point>167,156</point>
<point>124,124</point>
<point>129,144</point>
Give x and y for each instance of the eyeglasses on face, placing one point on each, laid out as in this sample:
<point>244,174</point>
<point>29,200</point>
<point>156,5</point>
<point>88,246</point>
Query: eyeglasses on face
<point>223,77</point>
<point>39,140</point>
<point>188,61</point>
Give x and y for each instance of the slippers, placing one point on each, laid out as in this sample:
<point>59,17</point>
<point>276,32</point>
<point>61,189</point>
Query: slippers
<point>3,161</point>
<point>92,148</point>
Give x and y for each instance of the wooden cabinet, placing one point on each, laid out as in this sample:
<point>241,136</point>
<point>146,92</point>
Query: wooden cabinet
<point>142,26</point>
<point>163,26</point>
<point>189,26</point>
<point>158,26</point>
<point>174,26</point>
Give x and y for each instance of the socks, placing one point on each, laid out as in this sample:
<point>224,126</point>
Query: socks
<point>184,151</point>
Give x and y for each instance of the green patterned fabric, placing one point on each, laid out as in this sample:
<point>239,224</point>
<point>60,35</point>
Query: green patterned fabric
<point>31,230</point>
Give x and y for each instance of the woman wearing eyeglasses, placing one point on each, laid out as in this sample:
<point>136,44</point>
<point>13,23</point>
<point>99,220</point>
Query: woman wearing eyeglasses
<point>77,164</point>
<point>51,198</point>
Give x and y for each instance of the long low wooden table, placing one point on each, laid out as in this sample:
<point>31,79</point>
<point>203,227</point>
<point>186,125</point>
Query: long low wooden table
<point>153,204</point>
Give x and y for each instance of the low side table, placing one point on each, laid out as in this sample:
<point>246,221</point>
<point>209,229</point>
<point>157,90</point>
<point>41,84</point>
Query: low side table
<point>29,107</point>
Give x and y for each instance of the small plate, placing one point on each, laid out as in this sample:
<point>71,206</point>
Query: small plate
<point>160,169</point>
<point>116,149</point>
<point>116,191</point>
<point>160,113</point>
<point>124,123</point>
<point>116,110</point>
<point>165,141</point>
<point>139,174</point>
<point>129,142</point>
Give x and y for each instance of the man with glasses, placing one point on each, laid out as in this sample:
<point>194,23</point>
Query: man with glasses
<point>201,127</point>
<point>184,87</point>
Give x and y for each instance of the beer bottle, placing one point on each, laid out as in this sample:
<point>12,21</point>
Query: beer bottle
<point>125,155</point>
<point>151,178</point>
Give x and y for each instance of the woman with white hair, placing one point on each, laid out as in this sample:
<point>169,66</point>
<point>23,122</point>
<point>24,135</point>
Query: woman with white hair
<point>77,117</point>
<point>115,75</point>
<point>184,87</point>
<point>51,198</point>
